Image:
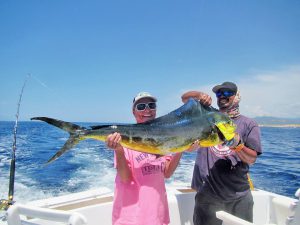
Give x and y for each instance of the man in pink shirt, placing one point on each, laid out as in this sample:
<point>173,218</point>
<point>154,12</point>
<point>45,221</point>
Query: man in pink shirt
<point>140,195</point>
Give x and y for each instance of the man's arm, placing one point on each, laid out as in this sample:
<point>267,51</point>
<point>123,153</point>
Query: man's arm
<point>205,99</point>
<point>247,155</point>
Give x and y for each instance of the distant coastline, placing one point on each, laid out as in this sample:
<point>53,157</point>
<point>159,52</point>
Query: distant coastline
<point>265,121</point>
<point>280,125</point>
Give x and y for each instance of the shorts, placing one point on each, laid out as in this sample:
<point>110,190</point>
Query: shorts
<point>207,205</point>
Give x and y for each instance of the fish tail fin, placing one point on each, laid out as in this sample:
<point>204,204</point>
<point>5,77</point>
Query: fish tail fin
<point>70,143</point>
<point>72,129</point>
<point>66,126</point>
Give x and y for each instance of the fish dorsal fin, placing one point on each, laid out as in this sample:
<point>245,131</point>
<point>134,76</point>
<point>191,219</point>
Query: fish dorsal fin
<point>191,109</point>
<point>96,127</point>
<point>113,126</point>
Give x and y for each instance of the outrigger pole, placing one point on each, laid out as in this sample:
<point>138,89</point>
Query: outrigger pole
<point>4,204</point>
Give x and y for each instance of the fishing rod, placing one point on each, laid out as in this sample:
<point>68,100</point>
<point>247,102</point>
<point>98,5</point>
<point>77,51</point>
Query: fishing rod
<point>4,204</point>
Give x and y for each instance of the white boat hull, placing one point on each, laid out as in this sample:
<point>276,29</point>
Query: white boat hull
<point>95,207</point>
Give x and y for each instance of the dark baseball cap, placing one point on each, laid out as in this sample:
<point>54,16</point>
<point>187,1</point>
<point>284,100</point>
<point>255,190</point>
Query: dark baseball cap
<point>225,86</point>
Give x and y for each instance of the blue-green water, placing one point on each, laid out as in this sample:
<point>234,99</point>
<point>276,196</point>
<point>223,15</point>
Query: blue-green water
<point>90,165</point>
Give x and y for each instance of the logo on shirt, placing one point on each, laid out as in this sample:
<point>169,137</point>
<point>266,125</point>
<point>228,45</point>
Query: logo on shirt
<point>141,157</point>
<point>150,164</point>
<point>221,151</point>
<point>148,169</point>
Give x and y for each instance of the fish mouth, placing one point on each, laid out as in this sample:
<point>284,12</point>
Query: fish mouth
<point>225,130</point>
<point>220,134</point>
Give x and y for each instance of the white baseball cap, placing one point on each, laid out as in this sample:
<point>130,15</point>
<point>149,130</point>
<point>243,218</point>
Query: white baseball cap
<point>143,95</point>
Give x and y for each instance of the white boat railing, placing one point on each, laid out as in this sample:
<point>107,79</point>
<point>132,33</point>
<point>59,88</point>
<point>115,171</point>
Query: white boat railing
<point>15,212</point>
<point>294,220</point>
<point>282,211</point>
<point>94,206</point>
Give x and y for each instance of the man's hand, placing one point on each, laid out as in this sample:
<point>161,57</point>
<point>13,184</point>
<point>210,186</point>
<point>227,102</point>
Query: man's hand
<point>203,98</point>
<point>235,142</point>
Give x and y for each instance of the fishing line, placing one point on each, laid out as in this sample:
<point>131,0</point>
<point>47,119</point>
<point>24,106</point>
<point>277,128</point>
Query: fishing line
<point>4,204</point>
<point>41,83</point>
<point>56,95</point>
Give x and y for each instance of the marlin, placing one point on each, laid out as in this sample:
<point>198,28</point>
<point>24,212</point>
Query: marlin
<point>171,133</point>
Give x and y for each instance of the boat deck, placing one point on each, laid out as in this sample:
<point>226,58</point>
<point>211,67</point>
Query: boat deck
<point>94,207</point>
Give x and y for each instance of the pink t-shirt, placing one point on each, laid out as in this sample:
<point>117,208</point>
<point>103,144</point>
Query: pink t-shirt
<point>142,201</point>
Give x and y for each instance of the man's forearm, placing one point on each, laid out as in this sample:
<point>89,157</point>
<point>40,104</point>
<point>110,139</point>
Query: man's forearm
<point>247,155</point>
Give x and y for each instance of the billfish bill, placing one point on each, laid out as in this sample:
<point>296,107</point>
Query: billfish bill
<point>171,133</point>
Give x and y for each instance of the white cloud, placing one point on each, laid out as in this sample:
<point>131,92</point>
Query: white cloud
<point>271,93</point>
<point>264,93</point>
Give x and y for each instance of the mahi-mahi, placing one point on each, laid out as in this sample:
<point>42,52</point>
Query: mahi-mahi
<point>171,133</point>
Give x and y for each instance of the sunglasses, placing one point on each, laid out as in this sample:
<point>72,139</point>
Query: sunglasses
<point>142,106</point>
<point>226,94</point>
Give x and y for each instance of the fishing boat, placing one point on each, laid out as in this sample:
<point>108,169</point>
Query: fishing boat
<point>95,207</point>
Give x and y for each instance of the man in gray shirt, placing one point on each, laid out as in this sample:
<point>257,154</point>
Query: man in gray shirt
<point>220,174</point>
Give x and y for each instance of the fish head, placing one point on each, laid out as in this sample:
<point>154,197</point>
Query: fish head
<point>225,126</point>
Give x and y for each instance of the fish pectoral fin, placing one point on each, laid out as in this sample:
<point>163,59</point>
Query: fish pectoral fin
<point>71,142</point>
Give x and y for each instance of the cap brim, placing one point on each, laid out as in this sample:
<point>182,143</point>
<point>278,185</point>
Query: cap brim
<point>216,88</point>
<point>225,87</point>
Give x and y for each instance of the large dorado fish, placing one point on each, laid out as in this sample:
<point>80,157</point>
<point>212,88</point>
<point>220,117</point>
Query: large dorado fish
<point>171,133</point>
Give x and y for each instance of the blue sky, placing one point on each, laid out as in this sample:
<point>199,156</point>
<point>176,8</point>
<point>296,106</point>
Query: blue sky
<point>87,59</point>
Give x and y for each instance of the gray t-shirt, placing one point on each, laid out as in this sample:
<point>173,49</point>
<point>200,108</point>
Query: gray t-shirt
<point>219,171</point>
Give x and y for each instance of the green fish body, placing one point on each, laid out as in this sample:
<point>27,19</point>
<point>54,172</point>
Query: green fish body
<point>171,133</point>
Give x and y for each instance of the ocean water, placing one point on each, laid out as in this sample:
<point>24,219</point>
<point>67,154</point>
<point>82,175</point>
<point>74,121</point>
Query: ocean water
<point>90,164</point>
